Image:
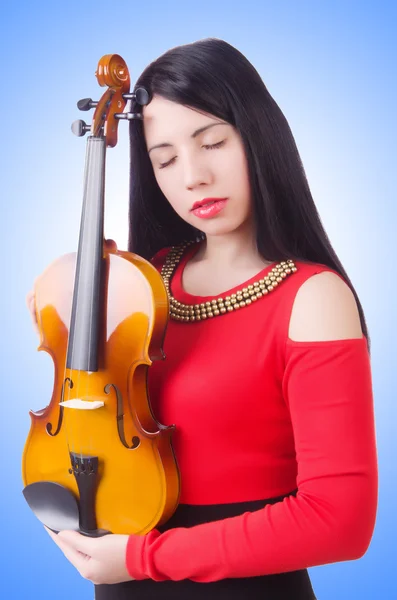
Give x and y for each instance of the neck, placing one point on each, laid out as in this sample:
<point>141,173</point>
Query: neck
<point>234,249</point>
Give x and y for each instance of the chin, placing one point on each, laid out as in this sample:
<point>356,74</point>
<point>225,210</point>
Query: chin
<point>217,227</point>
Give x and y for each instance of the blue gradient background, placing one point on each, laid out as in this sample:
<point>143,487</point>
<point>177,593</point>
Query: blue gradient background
<point>331,68</point>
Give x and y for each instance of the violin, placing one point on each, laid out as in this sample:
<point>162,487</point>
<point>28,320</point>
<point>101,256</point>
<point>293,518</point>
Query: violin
<point>96,460</point>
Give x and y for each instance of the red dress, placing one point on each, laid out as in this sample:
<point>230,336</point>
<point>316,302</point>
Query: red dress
<point>275,442</point>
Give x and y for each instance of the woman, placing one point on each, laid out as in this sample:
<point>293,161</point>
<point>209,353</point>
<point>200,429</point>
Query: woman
<point>267,372</point>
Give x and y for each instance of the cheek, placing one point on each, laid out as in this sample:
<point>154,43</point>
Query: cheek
<point>164,181</point>
<point>169,186</point>
<point>236,173</point>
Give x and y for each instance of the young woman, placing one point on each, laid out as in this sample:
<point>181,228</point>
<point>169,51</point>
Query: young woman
<point>267,373</point>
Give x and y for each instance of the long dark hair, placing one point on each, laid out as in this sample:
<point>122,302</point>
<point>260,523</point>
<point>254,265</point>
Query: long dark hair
<point>212,76</point>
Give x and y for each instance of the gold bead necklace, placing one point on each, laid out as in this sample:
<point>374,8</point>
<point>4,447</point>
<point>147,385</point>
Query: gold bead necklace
<point>214,308</point>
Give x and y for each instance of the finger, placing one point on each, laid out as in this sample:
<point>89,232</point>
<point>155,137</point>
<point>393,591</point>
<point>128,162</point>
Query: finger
<point>50,533</point>
<point>30,299</point>
<point>59,542</point>
<point>79,542</point>
<point>31,304</point>
<point>110,244</point>
<point>77,558</point>
<point>33,317</point>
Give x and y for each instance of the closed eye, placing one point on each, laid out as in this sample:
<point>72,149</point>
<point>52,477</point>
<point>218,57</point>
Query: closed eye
<point>207,147</point>
<point>218,145</point>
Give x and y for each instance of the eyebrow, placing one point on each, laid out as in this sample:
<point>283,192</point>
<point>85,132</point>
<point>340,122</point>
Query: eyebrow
<point>194,135</point>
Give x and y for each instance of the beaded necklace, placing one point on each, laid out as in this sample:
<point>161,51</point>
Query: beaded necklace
<point>220,306</point>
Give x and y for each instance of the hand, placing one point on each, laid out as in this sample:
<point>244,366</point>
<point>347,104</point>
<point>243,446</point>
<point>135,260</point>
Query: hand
<point>30,302</point>
<point>31,299</point>
<point>111,245</point>
<point>100,560</point>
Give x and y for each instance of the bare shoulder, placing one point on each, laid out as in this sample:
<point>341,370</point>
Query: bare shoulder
<point>324,309</point>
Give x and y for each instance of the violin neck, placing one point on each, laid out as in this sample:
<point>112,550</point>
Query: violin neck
<point>86,308</point>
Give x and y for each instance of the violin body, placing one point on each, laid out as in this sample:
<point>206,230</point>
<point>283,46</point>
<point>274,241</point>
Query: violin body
<point>95,459</point>
<point>137,487</point>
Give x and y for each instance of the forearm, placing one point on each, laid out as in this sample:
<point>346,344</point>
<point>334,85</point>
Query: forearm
<point>299,532</point>
<point>328,390</point>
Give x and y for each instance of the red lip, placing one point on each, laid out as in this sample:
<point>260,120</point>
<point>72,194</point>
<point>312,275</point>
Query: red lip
<point>205,201</point>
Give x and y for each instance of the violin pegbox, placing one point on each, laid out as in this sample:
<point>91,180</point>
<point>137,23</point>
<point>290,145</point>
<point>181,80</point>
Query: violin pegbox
<point>112,72</point>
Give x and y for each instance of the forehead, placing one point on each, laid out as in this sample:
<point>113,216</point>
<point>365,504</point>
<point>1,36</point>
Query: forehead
<point>162,116</point>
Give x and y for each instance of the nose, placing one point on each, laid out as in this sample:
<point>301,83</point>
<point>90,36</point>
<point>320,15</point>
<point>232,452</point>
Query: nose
<point>196,172</point>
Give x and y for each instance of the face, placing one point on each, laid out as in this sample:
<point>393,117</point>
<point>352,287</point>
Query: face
<point>197,156</point>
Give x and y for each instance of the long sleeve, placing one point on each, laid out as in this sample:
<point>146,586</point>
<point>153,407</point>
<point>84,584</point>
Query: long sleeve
<point>327,387</point>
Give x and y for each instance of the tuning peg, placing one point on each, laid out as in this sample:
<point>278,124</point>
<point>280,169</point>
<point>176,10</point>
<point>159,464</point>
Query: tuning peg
<point>80,128</point>
<point>141,96</point>
<point>86,104</point>
<point>128,116</point>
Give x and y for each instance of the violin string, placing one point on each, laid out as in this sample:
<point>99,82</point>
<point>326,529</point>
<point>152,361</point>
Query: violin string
<point>91,164</point>
<point>89,291</point>
<point>75,429</point>
<point>77,395</point>
<point>77,437</point>
<point>90,448</point>
<point>84,391</point>
<point>96,350</point>
<point>87,434</point>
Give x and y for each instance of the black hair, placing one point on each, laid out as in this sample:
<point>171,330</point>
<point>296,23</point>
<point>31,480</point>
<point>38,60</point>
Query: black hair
<point>212,76</point>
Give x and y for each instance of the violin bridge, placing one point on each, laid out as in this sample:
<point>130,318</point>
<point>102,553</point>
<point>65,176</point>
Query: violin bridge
<point>82,404</point>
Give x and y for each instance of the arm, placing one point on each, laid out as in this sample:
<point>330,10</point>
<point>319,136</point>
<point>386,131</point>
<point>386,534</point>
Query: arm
<point>328,389</point>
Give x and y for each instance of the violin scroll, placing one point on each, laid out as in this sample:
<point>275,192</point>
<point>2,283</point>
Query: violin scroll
<point>112,72</point>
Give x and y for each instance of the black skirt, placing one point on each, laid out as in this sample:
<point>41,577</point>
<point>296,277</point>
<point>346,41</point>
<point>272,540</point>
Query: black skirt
<point>294,585</point>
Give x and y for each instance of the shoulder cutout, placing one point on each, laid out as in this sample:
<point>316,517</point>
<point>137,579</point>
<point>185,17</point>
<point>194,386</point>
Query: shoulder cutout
<point>324,309</point>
